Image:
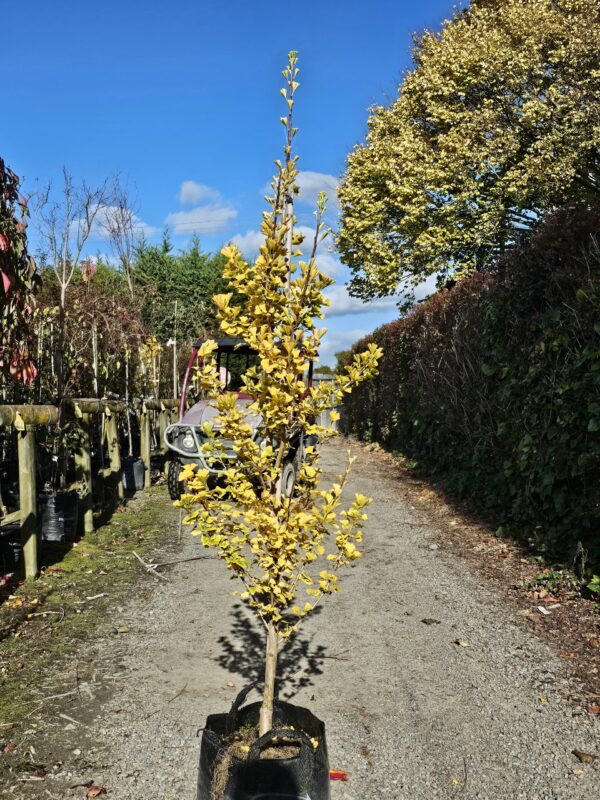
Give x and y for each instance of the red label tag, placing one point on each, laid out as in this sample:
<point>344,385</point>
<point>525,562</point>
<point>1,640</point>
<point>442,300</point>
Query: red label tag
<point>337,775</point>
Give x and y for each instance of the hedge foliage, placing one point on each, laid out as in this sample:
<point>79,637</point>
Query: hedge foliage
<point>494,385</point>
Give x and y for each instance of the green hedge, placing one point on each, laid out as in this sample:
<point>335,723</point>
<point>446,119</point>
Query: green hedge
<point>494,385</point>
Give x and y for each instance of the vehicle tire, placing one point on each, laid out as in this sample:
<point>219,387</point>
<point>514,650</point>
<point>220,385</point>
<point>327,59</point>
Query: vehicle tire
<point>176,487</point>
<point>288,479</point>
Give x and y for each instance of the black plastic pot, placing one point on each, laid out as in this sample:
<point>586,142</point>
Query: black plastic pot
<point>305,775</point>
<point>11,551</point>
<point>132,474</point>
<point>59,516</point>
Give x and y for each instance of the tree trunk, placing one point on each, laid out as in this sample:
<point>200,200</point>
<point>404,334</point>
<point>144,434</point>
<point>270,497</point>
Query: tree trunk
<point>59,448</point>
<point>128,276</point>
<point>52,356</point>
<point>60,349</point>
<point>266,710</point>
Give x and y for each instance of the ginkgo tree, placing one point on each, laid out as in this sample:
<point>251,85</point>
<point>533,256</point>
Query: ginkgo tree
<point>286,551</point>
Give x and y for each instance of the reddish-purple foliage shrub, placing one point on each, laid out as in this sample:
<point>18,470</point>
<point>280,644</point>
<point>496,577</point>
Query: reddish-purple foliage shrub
<point>495,386</point>
<point>17,281</point>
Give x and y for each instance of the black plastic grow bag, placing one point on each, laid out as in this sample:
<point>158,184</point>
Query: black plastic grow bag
<point>11,550</point>
<point>303,777</point>
<point>59,516</point>
<point>132,474</point>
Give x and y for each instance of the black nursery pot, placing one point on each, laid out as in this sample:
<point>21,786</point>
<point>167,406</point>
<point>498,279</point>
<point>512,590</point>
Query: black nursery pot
<point>304,777</point>
<point>132,474</point>
<point>11,551</point>
<point>59,516</point>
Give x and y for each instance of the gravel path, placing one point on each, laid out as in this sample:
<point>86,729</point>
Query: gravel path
<point>410,712</point>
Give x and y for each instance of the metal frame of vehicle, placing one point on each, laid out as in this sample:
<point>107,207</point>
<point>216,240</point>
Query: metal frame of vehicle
<point>190,422</point>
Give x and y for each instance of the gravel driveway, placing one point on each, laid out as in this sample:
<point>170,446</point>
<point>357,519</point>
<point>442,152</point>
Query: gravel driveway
<point>466,705</point>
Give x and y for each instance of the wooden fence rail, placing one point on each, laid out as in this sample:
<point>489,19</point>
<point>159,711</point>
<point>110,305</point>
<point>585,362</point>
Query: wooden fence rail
<point>153,415</point>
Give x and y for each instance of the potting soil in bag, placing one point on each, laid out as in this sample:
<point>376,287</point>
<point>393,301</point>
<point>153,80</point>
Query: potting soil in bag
<point>302,774</point>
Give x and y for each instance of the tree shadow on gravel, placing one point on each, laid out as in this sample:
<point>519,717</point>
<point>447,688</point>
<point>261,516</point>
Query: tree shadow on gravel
<point>244,655</point>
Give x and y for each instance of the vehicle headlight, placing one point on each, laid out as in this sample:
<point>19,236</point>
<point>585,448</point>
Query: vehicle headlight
<point>188,442</point>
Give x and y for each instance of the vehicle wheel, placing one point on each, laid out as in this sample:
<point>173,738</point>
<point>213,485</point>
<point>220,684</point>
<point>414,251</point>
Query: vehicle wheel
<point>288,479</point>
<point>176,487</point>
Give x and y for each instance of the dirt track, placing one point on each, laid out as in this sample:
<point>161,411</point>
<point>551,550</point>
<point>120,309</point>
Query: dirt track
<point>467,706</point>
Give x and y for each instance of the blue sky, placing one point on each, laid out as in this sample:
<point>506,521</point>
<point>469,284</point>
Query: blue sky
<point>182,99</point>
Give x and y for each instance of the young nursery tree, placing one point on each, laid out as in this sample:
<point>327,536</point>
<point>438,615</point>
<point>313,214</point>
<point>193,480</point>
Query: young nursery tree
<point>66,221</point>
<point>123,228</point>
<point>271,542</point>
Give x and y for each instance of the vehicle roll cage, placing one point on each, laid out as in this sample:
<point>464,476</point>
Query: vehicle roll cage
<point>224,347</point>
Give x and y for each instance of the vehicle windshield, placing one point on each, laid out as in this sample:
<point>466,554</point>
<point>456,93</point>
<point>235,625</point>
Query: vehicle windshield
<point>233,366</point>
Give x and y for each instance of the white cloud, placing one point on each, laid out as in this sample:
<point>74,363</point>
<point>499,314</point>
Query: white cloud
<point>335,341</point>
<point>206,219</point>
<point>208,215</point>
<point>342,303</point>
<point>101,223</point>
<point>248,242</point>
<point>191,192</point>
<point>309,235</point>
<point>312,183</point>
<point>327,261</point>
<point>329,264</point>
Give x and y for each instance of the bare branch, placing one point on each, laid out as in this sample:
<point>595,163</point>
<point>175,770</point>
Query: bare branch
<point>119,222</point>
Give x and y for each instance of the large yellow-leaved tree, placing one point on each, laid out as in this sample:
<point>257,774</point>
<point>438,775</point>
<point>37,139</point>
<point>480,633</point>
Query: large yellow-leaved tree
<point>498,122</point>
<point>287,551</point>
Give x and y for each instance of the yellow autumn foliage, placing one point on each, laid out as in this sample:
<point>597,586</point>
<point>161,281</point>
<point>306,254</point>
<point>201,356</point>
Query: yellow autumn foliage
<point>277,545</point>
<point>498,121</point>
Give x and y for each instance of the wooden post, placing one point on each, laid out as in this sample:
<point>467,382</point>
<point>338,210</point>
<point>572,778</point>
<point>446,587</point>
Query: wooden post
<point>83,465</point>
<point>28,499</point>
<point>163,423</point>
<point>114,452</point>
<point>145,443</point>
